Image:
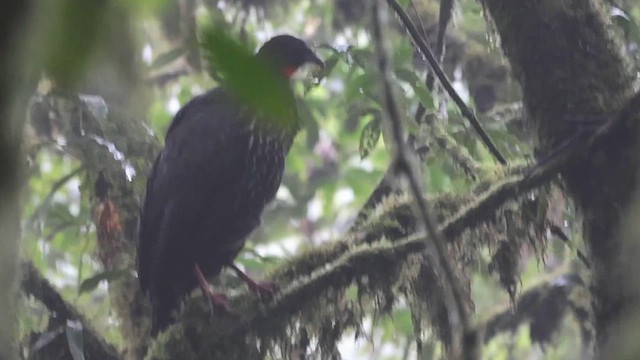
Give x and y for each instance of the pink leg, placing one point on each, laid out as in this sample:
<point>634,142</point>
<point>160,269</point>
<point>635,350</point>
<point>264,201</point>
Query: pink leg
<point>261,288</point>
<point>214,297</point>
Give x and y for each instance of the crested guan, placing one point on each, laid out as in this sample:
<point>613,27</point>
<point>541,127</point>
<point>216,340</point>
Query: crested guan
<point>222,162</point>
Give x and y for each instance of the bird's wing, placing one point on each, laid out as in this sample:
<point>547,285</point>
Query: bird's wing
<point>196,164</point>
<point>146,233</point>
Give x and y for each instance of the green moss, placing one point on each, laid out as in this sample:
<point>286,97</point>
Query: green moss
<point>325,291</point>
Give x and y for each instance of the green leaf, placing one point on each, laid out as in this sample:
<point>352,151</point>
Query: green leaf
<point>146,7</point>
<point>91,283</point>
<point>439,180</point>
<point>328,47</point>
<point>331,63</point>
<point>360,56</point>
<point>253,81</point>
<point>167,58</point>
<point>359,85</point>
<point>356,178</point>
<point>404,3</point>
<point>407,76</point>
<point>310,124</point>
<point>369,137</point>
<point>424,95</point>
<point>74,339</point>
<point>411,125</point>
<point>402,322</point>
<point>403,51</point>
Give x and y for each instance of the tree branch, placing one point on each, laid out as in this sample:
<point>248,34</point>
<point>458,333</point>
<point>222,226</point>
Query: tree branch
<point>468,213</point>
<point>34,284</point>
<point>307,276</point>
<point>433,62</point>
<point>41,209</point>
<point>436,248</point>
<point>15,65</point>
<point>456,152</point>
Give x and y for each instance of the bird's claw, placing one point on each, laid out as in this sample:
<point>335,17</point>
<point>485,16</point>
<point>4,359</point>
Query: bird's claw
<point>221,300</point>
<point>217,299</point>
<point>264,289</point>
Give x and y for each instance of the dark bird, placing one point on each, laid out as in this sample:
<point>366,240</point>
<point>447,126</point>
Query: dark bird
<point>222,162</point>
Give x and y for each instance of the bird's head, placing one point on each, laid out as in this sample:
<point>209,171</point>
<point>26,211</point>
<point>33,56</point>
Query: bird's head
<point>288,54</point>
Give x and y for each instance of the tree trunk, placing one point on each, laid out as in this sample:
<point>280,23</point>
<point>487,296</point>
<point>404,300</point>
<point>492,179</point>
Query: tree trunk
<point>573,74</point>
<point>12,16</point>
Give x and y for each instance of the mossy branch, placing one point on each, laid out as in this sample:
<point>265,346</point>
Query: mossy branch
<point>308,276</point>
<point>435,246</point>
<point>251,318</point>
<point>318,270</point>
<point>456,152</point>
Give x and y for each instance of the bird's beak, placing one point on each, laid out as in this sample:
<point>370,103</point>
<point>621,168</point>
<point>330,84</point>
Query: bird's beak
<point>313,59</point>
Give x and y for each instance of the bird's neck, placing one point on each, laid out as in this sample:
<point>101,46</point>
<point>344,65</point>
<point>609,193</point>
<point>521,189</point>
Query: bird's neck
<point>280,118</point>
<point>283,128</point>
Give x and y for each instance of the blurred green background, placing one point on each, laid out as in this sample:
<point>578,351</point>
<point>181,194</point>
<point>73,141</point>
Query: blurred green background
<point>133,64</point>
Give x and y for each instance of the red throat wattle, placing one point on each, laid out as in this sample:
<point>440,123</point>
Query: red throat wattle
<point>290,70</point>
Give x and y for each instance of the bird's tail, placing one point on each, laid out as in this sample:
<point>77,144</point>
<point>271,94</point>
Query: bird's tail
<point>162,315</point>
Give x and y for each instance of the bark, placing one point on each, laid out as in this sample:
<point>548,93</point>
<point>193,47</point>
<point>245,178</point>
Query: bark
<point>573,73</point>
<point>12,15</point>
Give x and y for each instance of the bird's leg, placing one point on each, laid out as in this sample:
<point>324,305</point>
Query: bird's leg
<point>261,288</point>
<point>213,297</point>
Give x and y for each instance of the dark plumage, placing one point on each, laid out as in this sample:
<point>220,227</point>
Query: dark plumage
<point>222,163</point>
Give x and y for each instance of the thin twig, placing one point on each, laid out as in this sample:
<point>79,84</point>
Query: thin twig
<point>436,248</point>
<point>415,11</point>
<point>446,12</point>
<point>446,9</point>
<point>560,234</point>
<point>41,209</point>
<point>385,187</point>
<point>433,62</point>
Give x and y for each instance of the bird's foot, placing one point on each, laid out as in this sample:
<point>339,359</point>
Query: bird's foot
<point>264,289</point>
<point>215,298</point>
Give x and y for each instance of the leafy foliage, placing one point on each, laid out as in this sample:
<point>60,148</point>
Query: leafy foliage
<point>333,168</point>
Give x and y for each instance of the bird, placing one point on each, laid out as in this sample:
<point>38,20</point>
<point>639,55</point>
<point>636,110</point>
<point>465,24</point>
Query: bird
<point>222,163</point>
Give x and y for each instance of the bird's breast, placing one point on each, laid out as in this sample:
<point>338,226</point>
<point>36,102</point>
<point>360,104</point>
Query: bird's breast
<point>263,170</point>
